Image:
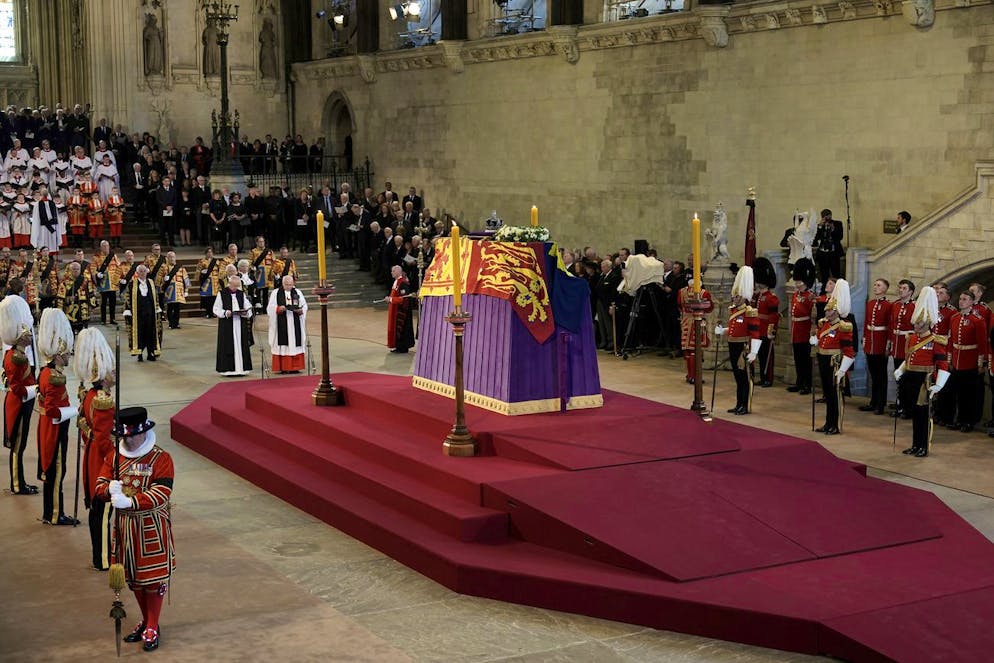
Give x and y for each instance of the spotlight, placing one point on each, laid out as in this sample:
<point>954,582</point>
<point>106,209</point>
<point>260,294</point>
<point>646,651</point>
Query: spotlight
<point>414,8</point>
<point>396,11</point>
<point>321,14</point>
<point>341,21</point>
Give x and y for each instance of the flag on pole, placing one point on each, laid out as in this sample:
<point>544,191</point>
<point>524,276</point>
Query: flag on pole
<point>750,245</point>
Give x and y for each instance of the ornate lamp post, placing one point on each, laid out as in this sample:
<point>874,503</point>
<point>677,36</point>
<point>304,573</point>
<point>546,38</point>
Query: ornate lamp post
<point>220,15</point>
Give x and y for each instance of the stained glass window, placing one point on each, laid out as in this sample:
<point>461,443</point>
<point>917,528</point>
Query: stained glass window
<point>8,31</point>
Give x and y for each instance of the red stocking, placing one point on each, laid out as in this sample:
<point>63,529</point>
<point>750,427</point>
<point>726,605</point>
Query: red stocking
<point>142,604</point>
<point>688,356</point>
<point>153,600</point>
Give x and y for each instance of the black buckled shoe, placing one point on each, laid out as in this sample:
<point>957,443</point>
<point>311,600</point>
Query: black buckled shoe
<point>66,520</point>
<point>921,453</point>
<point>793,389</point>
<point>151,638</point>
<point>909,451</point>
<point>26,489</point>
<point>867,408</point>
<point>136,635</point>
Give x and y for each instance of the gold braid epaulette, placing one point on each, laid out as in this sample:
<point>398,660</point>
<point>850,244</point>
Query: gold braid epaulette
<point>939,338</point>
<point>19,358</point>
<point>750,312</point>
<point>103,401</point>
<point>845,326</point>
<point>57,379</point>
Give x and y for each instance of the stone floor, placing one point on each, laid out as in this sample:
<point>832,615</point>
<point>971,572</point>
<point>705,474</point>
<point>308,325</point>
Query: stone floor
<point>259,580</point>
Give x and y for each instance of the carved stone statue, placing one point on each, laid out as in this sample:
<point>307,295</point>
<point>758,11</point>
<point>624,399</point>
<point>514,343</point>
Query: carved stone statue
<point>818,14</point>
<point>212,51</point>
<point>267,50</point>
<point>920,13</point>
<point>152,46</point>
<point>718,233</point>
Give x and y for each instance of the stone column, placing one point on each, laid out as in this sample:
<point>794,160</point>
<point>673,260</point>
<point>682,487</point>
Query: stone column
<point>367,20</point>
<point>564,12</point>
<point>454,19</point>
<point>118,44</point>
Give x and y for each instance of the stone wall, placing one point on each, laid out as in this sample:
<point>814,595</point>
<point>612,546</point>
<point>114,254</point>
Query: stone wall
<point>623,130</point>
<point>176,103</point>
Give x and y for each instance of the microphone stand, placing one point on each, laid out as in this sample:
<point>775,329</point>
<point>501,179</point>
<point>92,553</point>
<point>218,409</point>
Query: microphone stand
<point>845,179</point>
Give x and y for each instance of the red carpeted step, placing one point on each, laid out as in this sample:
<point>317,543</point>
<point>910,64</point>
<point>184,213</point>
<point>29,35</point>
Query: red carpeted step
<point>463,519</point>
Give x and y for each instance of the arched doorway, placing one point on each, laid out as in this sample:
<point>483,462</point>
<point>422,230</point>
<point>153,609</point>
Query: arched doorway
<point>338,127</point>
<point>979,272</point>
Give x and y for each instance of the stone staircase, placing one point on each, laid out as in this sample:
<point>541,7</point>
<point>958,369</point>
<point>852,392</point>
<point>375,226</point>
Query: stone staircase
<point>353,289</point>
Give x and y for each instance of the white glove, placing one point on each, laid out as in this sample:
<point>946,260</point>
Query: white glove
<point>32,390</point>
<point>846,364</point>
<point>899,371</point>
<point>120,501</point>
<point>116,487</point>
<point>719,330</point>
<point>754,345</point>
<point>65,414</point>
<point>813,340</point>
<point>127,314</point>
<point>940,382</point>
<point>158,310</point>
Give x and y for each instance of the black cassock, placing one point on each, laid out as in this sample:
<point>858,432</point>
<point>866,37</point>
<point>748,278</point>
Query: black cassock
<point>145,324</point>
<point>234,334</point>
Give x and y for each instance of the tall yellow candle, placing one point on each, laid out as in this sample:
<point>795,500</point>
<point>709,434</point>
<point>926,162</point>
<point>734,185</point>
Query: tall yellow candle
<point>696,240</point>
<point>534,216</point>
<point>454,247</point>
<point>322,271</point>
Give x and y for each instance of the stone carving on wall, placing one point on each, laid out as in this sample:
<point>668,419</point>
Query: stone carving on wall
<point>883,7</point>
<point>748,22</point>
<point>772,22</point>
<point>920,13</point>
<point>265,7</point>
<point>848,9</point>
<point>818,14</point>
<point>564,41</point>
<point>962,3</point>
<point>153,46</point>
<point>793,16</point>
<point>367,68</point>
<point>713,28</point>
<point>212,52</point>
<point>267,50</point>
<point>452,54</point>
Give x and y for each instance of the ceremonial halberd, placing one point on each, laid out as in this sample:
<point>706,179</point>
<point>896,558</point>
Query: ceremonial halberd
<point>530,345</point>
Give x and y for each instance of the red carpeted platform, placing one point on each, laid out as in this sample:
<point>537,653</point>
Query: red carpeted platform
<point>637,511</point>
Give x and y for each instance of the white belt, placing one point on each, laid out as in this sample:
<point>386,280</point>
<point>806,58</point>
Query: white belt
<point>878,328</point>
<point>802,319</point>
<point>965,347</point>
<point>903,333</point>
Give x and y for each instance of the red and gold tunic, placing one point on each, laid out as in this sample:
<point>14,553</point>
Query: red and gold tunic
<point>95,217</point>
<point>899,328</point>
<point>743,324</point>
<point>143,539</point>
<point>17,376</point>
<point>52,396</point>
<point>767,307</point>
<point>876,326</point>
<point>78,207</point>
<point>835,338</point>
<point>684,298</point>
<point>946,313</point>
<point>115,214</point>
<point>87,188</point>
<point>96,422</point>
<point>925,353</point>
<point>802,306</point>
<point>26,272</point>
<point>984,311</point>
<point>968,342</point>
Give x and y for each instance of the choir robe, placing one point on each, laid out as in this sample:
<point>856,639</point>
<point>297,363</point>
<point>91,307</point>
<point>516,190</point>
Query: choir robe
<point>234,356</point>
<point>287,329</point>
<point>400,323</point>
<point>45,228</point>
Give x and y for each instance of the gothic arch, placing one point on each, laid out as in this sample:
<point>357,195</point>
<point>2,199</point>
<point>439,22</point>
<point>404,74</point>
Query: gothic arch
<point>338,126</point>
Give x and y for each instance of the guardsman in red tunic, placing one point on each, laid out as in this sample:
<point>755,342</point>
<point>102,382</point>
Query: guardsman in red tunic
<point>943,405</point>
<point>836,354</point>
<point>876,332</point>
<point>684,298</point>
<point>969,353</point>
<point>984,311</point>
<point>143,538</point>
<point>767,306</point>
<point>55,341</point>
<point>802,306</point>
<point>899,328</point>
<point>923,373</point>
<point>743,338</point>
<point>16,325</point>
<point>93,361</point>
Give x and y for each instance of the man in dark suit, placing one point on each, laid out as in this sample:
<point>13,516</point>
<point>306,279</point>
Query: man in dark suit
<point>167,199</point>
<point>102,133</point>
<point>828,247</point>
<point>412,197</point>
